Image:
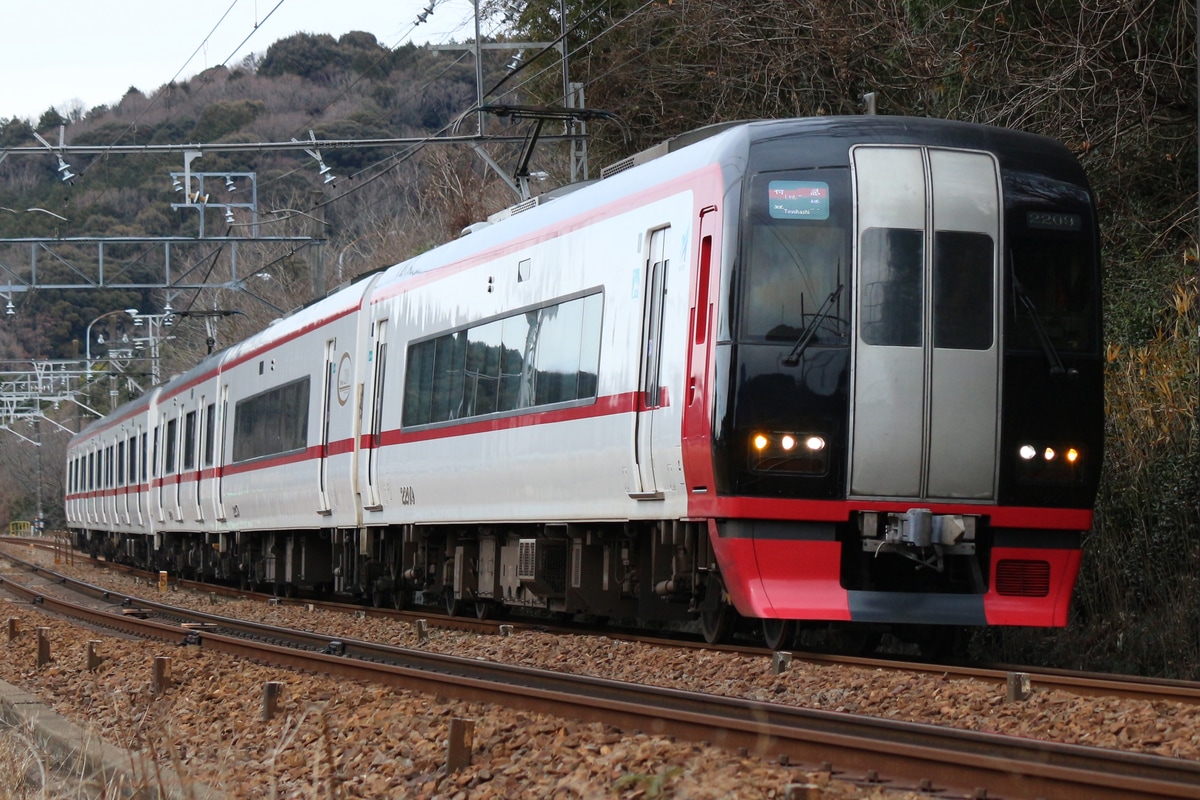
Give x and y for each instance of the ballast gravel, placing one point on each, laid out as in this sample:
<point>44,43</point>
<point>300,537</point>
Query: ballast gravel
<point>349,740</point>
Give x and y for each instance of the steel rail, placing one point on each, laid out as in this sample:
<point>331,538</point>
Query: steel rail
<point>468,624</point>
<point>1004,765</point>
<point>1082,683</point>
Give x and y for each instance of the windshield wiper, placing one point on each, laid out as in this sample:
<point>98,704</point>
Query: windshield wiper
<point>1039,329</point>
<point>810,330</point>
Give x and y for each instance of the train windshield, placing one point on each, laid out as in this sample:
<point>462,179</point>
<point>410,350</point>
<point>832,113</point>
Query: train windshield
<point>795,252</point>
<point>1054,269</point>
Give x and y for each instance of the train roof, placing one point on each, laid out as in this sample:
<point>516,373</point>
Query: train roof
<point>827,142</point>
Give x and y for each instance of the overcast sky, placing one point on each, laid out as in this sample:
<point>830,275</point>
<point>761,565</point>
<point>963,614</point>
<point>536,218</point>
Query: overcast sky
<point>90,52</point>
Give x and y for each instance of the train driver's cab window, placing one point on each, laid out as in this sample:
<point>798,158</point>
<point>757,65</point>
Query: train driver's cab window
<point>796,257</point>
<point>1054,280</point>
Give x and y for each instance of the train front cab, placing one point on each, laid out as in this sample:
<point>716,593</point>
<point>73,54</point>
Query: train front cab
<point>912,429</point>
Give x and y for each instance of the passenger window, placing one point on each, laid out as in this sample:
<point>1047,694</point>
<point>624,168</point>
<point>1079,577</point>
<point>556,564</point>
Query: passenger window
<point>892,306</point>
<point>963,307</point>
<point>539,357</point>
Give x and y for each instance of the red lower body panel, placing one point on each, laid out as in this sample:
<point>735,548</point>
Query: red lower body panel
<point>1044,611</point>
<point>779,578</point>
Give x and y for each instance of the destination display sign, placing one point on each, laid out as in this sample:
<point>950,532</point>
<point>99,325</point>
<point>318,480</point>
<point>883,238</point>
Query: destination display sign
<point>798,199</point>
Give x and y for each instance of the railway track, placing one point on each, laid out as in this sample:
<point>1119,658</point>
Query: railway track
<point>1083,683</point>
<point>916,755</point>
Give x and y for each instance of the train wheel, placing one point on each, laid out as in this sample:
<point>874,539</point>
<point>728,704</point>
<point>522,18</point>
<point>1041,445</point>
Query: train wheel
<point>780,634</point>
<point>484,609</point>
<point>856,641</point>
<point>399,597</point>
<point>379,597</point>
<point>717,625</point>
<point>453,604</point>
<point>942,643</point>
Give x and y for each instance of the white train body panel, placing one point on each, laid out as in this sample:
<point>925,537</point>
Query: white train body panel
<point>204,482</point>
<point>578,463</point>
<point>614,456</point>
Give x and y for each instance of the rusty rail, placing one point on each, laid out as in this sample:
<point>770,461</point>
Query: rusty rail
<point>933,756</point>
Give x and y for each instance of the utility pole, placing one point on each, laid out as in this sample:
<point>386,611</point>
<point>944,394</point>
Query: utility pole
<point>37,434</point>
<point>316,255</point>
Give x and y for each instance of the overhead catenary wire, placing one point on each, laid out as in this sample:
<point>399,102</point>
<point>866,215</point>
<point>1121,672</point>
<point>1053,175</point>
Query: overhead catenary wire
<point>417,147</point>
<point>395,160</point>
<point>159,94</point>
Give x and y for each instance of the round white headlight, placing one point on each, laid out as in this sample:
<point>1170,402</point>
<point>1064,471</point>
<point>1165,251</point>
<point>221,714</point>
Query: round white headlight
<point>1027,452</point>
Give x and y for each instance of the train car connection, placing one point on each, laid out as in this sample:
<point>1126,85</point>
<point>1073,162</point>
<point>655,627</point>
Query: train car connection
<point>803,372</point>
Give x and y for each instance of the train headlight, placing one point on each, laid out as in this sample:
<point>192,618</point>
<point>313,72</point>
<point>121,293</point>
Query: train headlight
<point>1049,463</point>
<point>779,451</point>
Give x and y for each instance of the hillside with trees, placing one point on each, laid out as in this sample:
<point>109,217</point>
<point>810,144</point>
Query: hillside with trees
<point>1113,79</point>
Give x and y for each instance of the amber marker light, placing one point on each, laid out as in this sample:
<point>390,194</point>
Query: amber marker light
<point>760,442</point>
<point>1072,455</point>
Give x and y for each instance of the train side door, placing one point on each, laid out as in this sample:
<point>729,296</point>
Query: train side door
<point>122,484</point>
<point>137,472</point>
<point>209,458</point>
<point>926,381</point>
<point>374,500</point>
<point>323,506</point>
<point>143,478</point>
<point>649,394</point>
<point>193,432</point>
<point>160,477</point>
<point>219,456</point>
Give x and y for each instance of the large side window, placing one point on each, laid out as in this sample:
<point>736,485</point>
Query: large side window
<point>272,422</point>
<point>538,357</point>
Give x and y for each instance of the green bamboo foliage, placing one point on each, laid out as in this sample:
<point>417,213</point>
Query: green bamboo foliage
<point>1138,602</point>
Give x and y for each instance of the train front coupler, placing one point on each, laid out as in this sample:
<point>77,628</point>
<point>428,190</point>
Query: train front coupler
<point>918,535</point>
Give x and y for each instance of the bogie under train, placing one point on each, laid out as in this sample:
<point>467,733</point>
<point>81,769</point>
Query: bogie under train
<point>801,371</point>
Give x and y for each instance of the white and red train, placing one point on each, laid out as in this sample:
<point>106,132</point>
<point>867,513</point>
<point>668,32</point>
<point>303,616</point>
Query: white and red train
<point>839,370</point>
